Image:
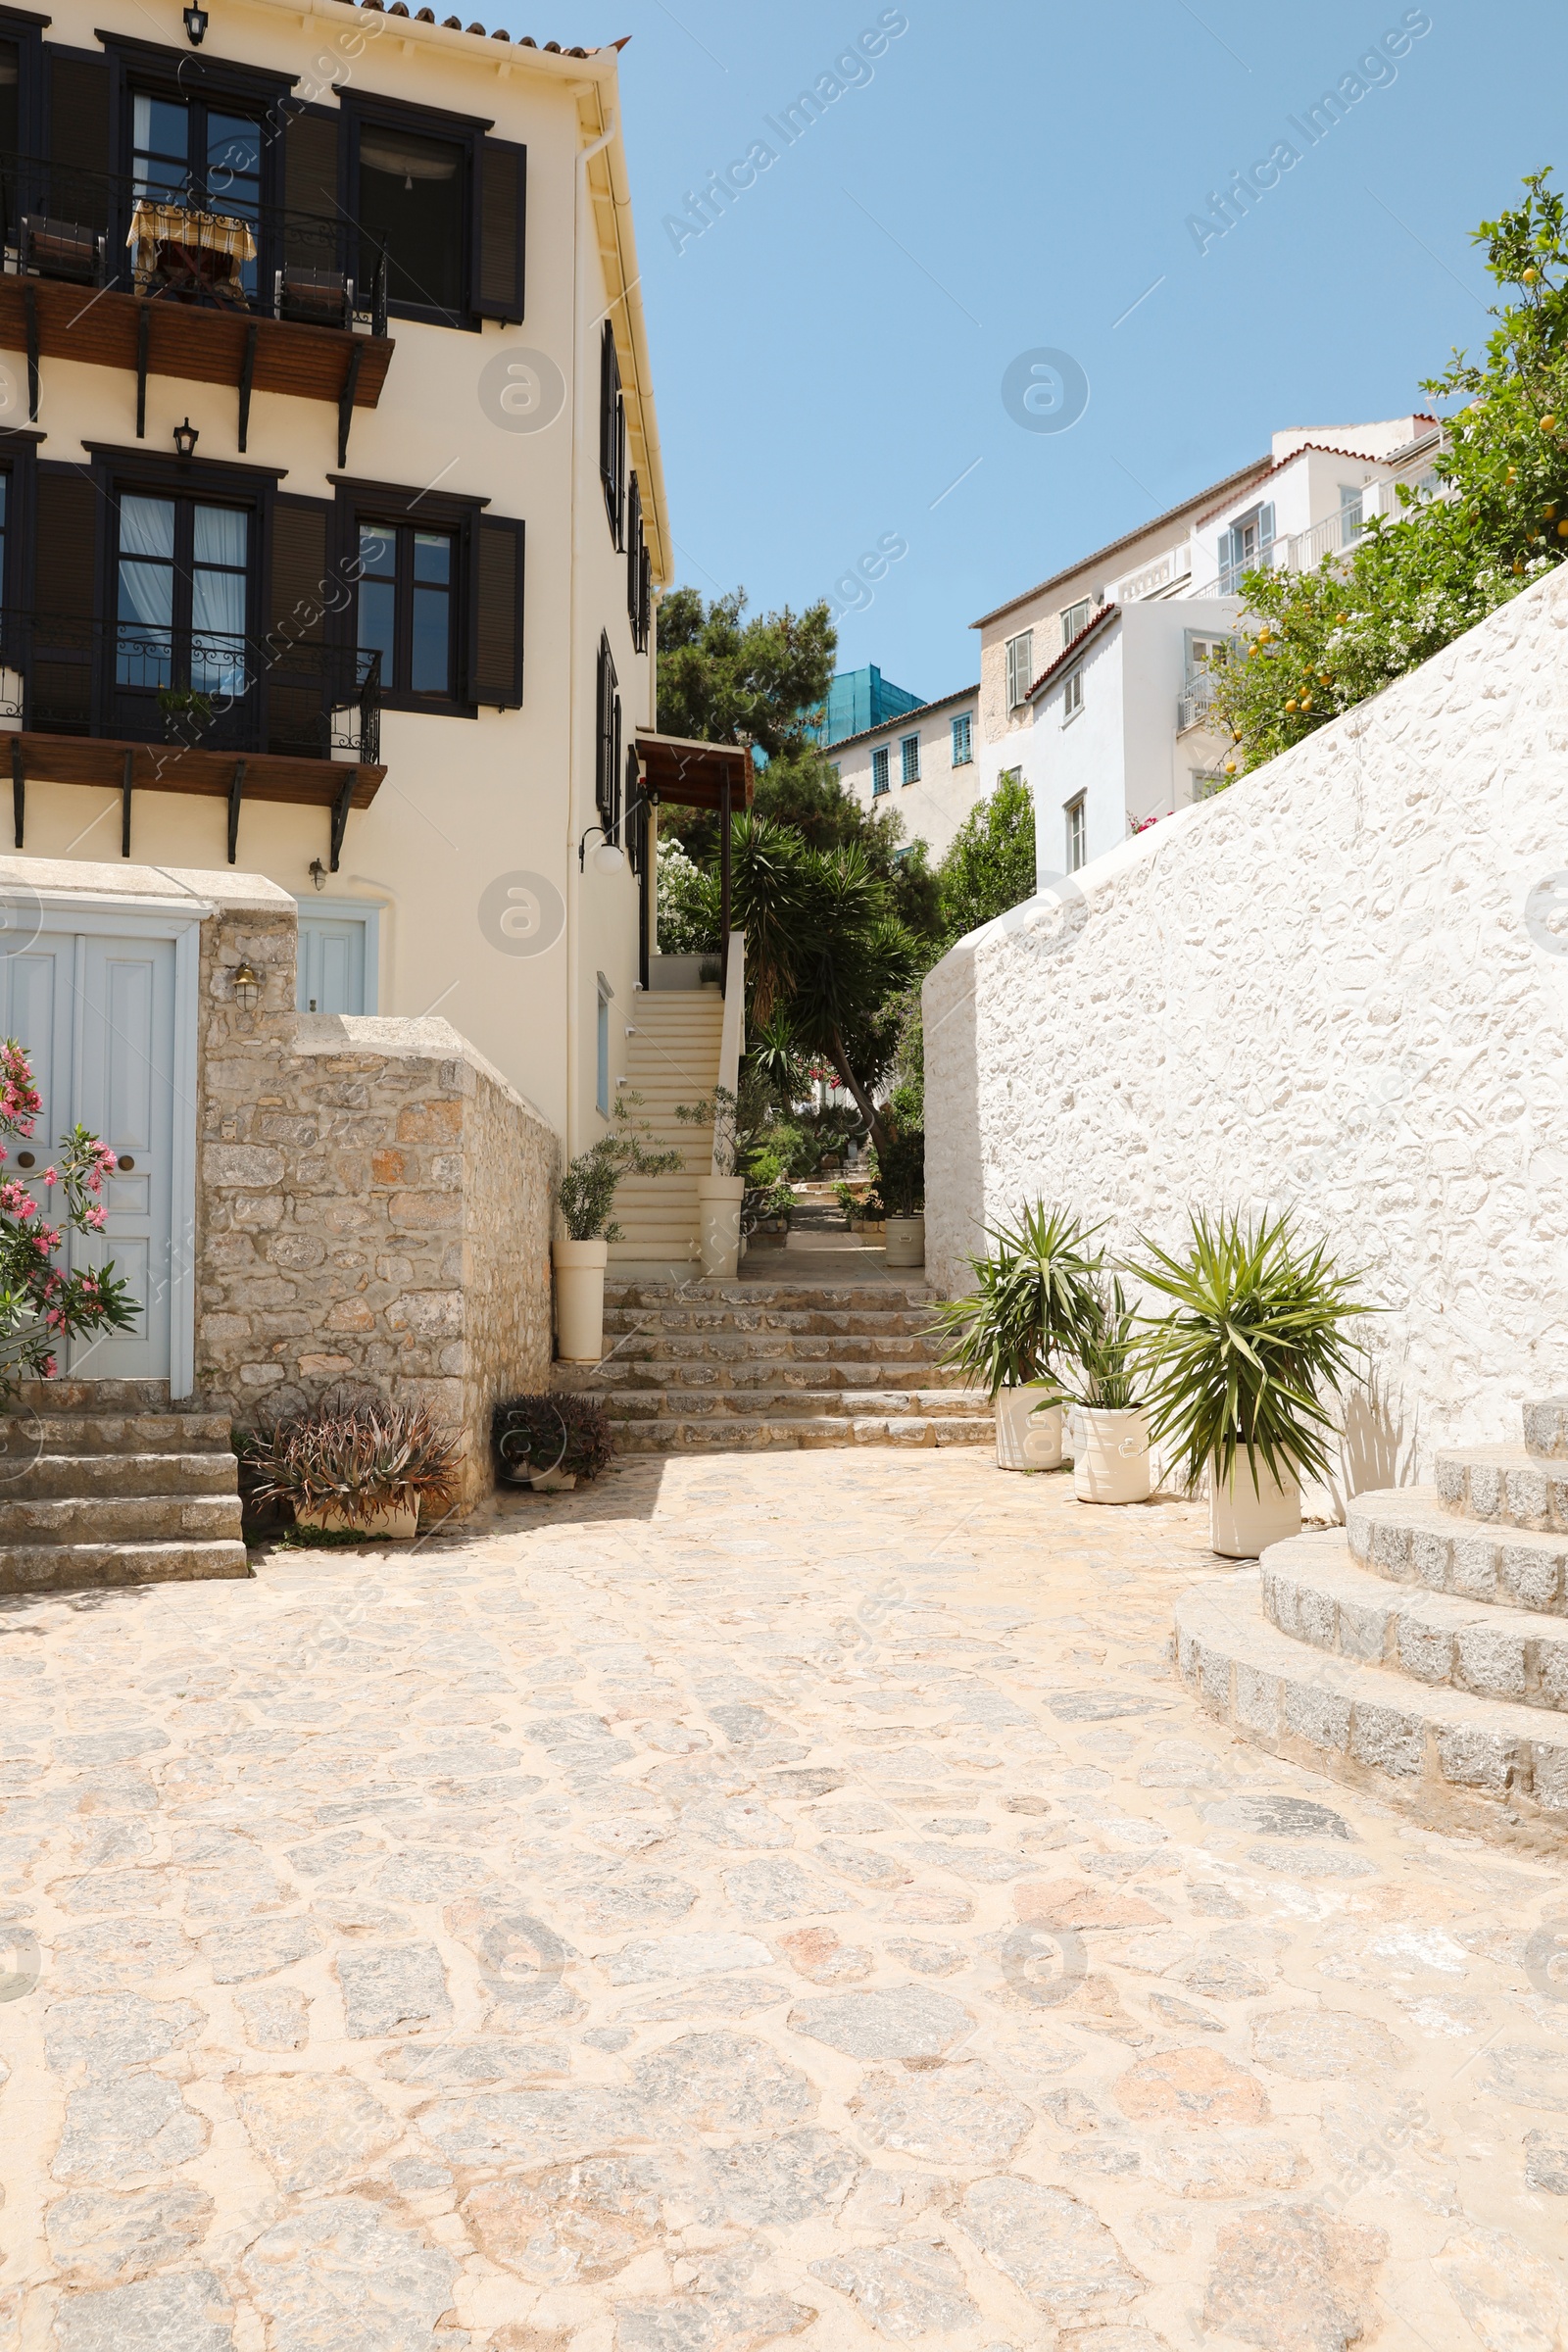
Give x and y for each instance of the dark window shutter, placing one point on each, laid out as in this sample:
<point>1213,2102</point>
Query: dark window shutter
<point>496,664</point>
<point>634,542</point>
<point>64,568</point>
<point>78,141</point>
<point>612,434</point>
<point>311,233</point>
<point>503,211</point>
<point>299,698</point>
<point>607,731</point>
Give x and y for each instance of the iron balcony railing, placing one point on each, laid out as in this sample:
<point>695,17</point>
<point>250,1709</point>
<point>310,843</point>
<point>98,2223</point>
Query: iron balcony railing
<point>205,690</point>
<point>1195,701</point>
<point>207,243</point>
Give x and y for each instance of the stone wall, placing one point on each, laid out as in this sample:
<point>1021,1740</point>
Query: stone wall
<point>1340,987</point>
<point>373,1202</point>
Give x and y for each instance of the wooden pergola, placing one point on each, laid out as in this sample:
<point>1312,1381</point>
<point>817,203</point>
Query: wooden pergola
<point>694,775</point>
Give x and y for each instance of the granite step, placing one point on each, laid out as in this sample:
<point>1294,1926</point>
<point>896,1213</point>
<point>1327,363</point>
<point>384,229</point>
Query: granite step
<point>1314,1591</point>
<point>1504,1483</point>
<point>738,1322</point>
<point>775,1347</point>
<point>733,1434</point>
<point>26,1436</point>
<point>1408,1534</point>
<point>641,1404</point>
<point>65,1567</point>
<point>1458,1759</point>
<point>1546,1428</point>
<point>753,1297</point>
<point>85,1475</point>
<point>617,1374</point>
<point>118,1518</point>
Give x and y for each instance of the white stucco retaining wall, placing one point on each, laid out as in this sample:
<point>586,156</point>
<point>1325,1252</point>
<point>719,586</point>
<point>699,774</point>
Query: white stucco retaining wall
<point>1340,987</point>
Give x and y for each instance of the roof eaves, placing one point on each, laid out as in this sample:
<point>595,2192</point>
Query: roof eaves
<point>961,694</point>
<point>1113,546</point>
<point>1070,652</point>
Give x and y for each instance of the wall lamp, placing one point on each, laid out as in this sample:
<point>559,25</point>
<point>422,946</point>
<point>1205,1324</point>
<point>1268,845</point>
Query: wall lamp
<point>609,859</point>
<point>247,988</point>
<point>196,22</point>
<point>186,436</point>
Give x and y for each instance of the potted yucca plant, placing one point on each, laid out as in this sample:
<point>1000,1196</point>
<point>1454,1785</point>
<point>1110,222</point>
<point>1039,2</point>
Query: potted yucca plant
<point>1238,1367</point>
<point>1103,1383</point>
<point>1032,1302</point>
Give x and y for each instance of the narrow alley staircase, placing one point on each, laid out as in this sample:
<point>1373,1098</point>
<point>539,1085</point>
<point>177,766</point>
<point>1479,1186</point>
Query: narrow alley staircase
<point>1423,1646</point>
<point>102,1483</point>
<point>667,1049</point>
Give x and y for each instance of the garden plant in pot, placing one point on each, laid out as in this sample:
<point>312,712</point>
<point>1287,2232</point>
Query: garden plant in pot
<point>901,1181</point>
<point>1032,1300</point>
<point>1103,1385</point>
<point>1238,1366</point>
<point>585,1197</point>
<point>353,1464</point>
<point>548,1443</point>
<point>721,1187</point>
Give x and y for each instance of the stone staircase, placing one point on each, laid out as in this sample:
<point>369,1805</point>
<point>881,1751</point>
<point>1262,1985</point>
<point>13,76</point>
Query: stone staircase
<point>717,1367</point>
<point>669,1048</point>
<point>1423,1646</point>
<point>101,1483</point>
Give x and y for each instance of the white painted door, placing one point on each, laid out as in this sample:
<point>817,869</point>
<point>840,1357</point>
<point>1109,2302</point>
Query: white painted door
<point>332,964</point>
<point>97,1017</point>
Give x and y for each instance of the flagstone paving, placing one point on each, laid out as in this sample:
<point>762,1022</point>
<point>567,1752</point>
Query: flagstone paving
<point>759,1899</point>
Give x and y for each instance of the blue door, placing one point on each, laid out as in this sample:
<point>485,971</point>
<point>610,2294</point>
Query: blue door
<point>331,971</point>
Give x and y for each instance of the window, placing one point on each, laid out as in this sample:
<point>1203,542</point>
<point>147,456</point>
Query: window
<point>1075,834</point>
<point>411,199</point>
<point>211,157</point>
<point>1247,546</point>
<point>1349,514</point>
<point>601,1073</point>
<point>1201,652</point>
<point>1072,694</point>
<point>1077,616</point>
<point>606,743</point>
<point>612,435</point>
<point>181,594</point>
<point>963,739</point>
<point>910,759</point>
<point>1020,667</point>
<point>639,571</point>
<point>879,770</point>
<point>408,606</point>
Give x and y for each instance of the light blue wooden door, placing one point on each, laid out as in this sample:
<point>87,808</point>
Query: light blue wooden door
<point>96,1016</point>
<point>332,964</point>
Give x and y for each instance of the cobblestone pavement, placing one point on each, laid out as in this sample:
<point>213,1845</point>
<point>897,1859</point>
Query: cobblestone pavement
<point>757,1899</point>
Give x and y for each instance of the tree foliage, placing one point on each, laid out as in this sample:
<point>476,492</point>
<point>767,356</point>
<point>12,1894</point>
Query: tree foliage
<point>1494,519</point>
<point>722,676</point>
<point>990,863</point>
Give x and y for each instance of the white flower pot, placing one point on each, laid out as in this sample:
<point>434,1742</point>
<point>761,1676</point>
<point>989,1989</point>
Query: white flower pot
<point>904,1238</point>
<point>1111,1464</point>
<point>580,1300</point>
<point>1027,1440</point>
<point>1243,1522</point>
<point>395,1523</point>
<point>718,1202</point>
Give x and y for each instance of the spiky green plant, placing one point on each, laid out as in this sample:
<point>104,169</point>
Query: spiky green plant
<point>353,1452</point>
<point>1031,1300</point>
<point>1254,1336</point>
<point>1098,1368</point>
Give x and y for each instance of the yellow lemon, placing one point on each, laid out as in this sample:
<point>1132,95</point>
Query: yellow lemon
<point>1548,425</point>
<point>1291,705</point>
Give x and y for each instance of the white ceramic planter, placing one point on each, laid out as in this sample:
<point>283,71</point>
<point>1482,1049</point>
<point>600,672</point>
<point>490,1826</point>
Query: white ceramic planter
<point>719,1205</point>
<point>1242,1523</point>
<point>394,1525</point>
<point>904,1239</point>
<point>580,1300</point>
<point>1027,1440</point>
<point>1111,1464</point>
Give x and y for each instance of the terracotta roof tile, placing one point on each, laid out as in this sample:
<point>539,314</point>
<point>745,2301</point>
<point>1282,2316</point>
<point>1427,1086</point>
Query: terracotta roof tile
<point>960,694</point>
<point>426,15</point>
<point>1069,652</point>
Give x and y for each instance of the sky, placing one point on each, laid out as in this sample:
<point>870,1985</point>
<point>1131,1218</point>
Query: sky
<point>1003,180</point>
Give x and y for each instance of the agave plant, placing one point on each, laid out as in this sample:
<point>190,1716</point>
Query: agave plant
<point>1254,1336</point>
<point>1032,1300</point>
<point>352,1452</point>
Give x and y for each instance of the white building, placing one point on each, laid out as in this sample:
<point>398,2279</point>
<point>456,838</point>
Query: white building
<point>923,763</point>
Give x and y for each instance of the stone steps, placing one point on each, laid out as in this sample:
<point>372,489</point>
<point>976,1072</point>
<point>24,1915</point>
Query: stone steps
<point>1408,1534</point>
<point>776,1348</point>
<point>732,1434</point>
<point>1504,1483</point>
<point>1313,1591</point>
<point>623,1375</point>
<point>103,1489</point>
<point>644,1405</point>
<point>1457,1754</point>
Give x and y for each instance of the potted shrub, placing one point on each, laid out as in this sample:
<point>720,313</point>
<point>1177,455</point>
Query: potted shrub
<point>1110,1460</point>
<point>1030,1301</point>
<point>549,1442</point>
<point>1238,1365</point>
<point>354,1463</point>
<point>585,1197</point>
<point>720,1190</point>
<point>901,1181</point>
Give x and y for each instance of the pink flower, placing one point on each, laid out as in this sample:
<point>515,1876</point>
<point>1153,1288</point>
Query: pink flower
<point>97,1218</point>
<point>50,1179</point>
<point>50,1368</point>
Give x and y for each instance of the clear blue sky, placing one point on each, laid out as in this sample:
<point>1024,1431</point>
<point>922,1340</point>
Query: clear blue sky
<point>828,356</point>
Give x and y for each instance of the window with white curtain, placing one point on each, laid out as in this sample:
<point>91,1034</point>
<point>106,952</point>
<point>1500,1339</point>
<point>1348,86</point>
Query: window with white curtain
<point>182,595</point>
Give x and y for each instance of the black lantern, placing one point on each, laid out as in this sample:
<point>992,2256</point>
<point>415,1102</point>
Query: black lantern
<point>196,26</point>
<point>186,436</point>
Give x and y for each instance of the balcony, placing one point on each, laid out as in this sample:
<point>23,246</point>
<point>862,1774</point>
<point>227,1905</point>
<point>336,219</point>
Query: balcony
<point>1335,535</point>
<point>124,705</point>
<point>1195,700</point>
<point>97,268</point>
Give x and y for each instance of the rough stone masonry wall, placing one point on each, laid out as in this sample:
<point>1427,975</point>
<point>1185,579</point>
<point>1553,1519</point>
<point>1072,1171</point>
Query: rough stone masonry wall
<point>372,1205</point>
<point>1339,987</point>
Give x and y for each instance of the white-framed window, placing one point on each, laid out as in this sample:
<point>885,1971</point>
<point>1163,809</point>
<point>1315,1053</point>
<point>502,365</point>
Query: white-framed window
<point>879,771</point>
<point>1076,834</point>
<point>910,759</point>
<point>1247,546</point>
<point>1077,616</point>
<point>1020,667</point>
<point>1349,514</point>
<point>1072,694</point>
<point>1201,652</point>
<point>963,739</point>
